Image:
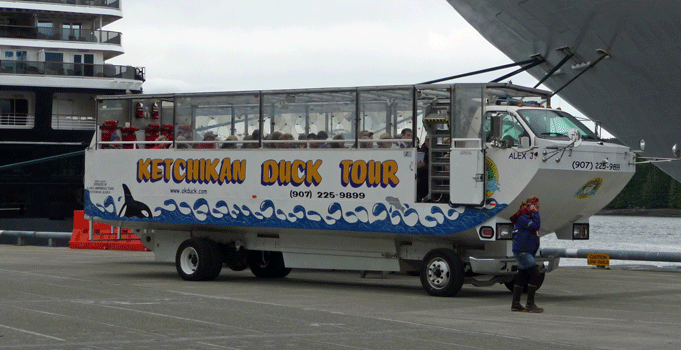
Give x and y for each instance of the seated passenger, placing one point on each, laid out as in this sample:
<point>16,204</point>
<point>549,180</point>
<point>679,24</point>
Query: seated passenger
<point>385,144</point>
<point>114,138</point>
<point>340,144</point>
<point>275,136</point>
<point>285,137</point>
<point>406,135</point>
<point>313,137</point>
<point>302,137</point>
<point>255,136</point>
<point>366,135</point>
<point>181,142</point>
<point>321,136</point>
<point>230,142</point>
<point>208,136</point>
<point>161,145</point>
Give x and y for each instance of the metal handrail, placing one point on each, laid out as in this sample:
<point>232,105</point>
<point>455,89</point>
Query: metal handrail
<point>614,254</point>
<point>71,69</point>
<point>103,3</point>
<point>60,34</point>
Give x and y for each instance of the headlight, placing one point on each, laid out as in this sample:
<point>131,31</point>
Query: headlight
<point>504,231</point>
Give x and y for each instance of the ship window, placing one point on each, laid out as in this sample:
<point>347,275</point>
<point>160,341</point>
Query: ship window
<point>14,113</point>
<point>44,29</point>
<point>71,31</point>
<point>73,112</point>
<point>20,55</point>
<point>54,63</point>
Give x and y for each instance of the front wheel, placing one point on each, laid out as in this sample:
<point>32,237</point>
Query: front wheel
<point>198,260</point>
<point>442,273</point>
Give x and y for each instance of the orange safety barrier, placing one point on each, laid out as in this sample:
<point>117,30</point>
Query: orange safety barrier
<point>102,236</point>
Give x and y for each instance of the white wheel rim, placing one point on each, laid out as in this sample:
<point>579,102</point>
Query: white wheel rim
<point>438,273</point>
<point>189,260</point>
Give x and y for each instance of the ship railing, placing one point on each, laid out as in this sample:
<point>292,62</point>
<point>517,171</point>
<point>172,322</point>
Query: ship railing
<point>71,69</point>
<point>17,120</point>
<point>73,122</point>
<point>103,3</point>
<point>61,34</point>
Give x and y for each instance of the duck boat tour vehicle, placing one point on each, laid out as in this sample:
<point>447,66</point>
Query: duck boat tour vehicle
<point>334,178</point>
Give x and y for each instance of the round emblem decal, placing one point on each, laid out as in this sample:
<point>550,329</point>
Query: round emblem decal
<point>491,178</point>
<point>590,188</point>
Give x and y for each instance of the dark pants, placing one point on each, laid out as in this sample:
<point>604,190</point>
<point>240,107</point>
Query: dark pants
<point>528,276</point>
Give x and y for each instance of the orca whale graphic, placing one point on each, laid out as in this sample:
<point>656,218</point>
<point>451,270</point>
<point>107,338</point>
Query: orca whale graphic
<point>132,208</point>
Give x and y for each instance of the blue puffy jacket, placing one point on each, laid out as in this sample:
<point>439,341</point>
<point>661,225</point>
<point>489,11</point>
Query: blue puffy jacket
<point>525,236</point>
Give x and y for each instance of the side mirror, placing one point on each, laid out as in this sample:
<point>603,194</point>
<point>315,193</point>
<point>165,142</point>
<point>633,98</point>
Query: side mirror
<point>575,137</point>
<point>525,142</point>
<point>677,151</point>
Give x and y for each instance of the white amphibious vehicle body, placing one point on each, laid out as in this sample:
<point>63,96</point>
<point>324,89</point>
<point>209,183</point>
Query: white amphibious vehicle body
<point>360,201</point>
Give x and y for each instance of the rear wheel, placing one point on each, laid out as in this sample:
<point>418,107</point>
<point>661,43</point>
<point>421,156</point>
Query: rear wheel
<point>198,260</point>
<point>236,259</point>
<point>266,264</point>
<point>442,273</point>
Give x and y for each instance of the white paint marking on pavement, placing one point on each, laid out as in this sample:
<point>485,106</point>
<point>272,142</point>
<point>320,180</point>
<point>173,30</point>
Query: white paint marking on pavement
<point>34,333</point>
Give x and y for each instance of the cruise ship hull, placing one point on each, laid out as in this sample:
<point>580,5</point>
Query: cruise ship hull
<point>630,92</point>
<point>54,62</point>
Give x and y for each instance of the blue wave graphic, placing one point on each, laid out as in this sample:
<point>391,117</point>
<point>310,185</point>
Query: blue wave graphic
<point>442,220</point>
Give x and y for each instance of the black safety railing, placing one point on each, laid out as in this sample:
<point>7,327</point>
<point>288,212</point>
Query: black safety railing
<point>71,69</point>
<point>103,3</point>
<point>61,34</point>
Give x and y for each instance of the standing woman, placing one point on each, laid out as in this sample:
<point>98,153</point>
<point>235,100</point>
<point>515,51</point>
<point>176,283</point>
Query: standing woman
<point>525,246</point>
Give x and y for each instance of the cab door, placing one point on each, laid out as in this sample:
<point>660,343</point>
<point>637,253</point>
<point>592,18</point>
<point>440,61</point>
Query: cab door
<point>467,152</point>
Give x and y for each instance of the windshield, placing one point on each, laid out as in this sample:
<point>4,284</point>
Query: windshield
<point>548,123</point>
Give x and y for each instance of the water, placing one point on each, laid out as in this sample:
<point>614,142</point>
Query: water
<point>640,233</point>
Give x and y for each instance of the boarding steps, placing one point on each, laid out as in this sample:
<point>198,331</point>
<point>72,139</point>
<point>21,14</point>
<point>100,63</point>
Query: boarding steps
<point>437,125</point>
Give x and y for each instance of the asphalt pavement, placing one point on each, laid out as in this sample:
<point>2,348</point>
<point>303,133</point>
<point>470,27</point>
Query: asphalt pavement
<point>58,298</point>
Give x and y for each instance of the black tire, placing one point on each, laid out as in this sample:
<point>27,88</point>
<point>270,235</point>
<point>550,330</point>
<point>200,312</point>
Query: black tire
<point>198,260</point>
<point>265,264</point>
<point>236,259</point>
<point>509,285</point>
<point>442,273</point>
<point>218,259</point>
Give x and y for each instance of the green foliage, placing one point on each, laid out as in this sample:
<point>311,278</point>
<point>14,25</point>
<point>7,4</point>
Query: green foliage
<point>649,188</point>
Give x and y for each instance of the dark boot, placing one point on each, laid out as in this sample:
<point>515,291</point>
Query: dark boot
<point>531,306</point>
<point>515,304</point>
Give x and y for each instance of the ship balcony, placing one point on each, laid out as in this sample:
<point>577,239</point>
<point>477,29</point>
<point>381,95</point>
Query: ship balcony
<point>115,4</point>
<point>60,34</point>
<point>41,68</point>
